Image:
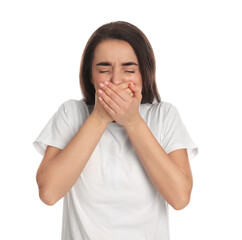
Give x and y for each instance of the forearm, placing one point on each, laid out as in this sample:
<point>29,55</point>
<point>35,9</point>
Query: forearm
<point>61,173</point>
<point>164,173</point>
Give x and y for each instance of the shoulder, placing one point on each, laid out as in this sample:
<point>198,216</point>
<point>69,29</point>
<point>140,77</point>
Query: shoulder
<point>156,114</point>
<point>164,106</point>
<point>73,105</point>
<point>168,110</point>
<point>76,111</point>
<point>159,109</point>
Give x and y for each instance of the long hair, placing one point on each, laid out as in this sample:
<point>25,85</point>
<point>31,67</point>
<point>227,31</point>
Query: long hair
<point>125,31</point>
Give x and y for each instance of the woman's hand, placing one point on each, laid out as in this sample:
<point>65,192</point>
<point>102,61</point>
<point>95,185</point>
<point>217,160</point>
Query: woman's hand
<point>122,107</point>
<point>100,111</point>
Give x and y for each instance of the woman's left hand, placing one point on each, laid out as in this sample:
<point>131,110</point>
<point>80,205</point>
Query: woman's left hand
<point>123,108</point>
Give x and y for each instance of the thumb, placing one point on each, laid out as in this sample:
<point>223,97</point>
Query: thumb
<point>135,90</point>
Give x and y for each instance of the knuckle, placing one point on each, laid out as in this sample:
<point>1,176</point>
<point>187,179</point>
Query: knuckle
<point>118,90</point>
<point>111,94</point>
<point>122,112</point>
<point>125,109</point>
<point>107,100</point>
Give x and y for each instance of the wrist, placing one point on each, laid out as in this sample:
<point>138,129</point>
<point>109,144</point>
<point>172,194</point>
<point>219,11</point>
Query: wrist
<point>99,119</point>
<point>133,125</point>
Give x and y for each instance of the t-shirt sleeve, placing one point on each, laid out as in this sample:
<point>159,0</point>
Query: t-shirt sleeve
<point>175,135</point>
<point>57,132</point>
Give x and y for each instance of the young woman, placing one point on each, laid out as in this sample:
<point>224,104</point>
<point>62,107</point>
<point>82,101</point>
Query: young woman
<point>118,156</point>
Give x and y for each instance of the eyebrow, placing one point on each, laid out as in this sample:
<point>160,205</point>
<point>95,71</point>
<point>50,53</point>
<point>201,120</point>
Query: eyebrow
<point>109,64</point>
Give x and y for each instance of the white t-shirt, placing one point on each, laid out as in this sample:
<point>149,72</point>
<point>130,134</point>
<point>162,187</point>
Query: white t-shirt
<point>113,198</point>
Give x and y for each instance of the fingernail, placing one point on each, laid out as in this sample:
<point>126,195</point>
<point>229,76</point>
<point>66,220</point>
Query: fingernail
<point>106,82</point>
<point>131,83</point>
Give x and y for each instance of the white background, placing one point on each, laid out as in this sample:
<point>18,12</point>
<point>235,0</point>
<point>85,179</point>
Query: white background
<point>198,50</point>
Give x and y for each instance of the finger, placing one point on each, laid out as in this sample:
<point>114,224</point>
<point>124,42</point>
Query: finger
<point>123,85</point>
<point>112,99</point>
<point>127,90</point>
<point>136,90</point>
<point>116,93</point>
<point>110,106</point>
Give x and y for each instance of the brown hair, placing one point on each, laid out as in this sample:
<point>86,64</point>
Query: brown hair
<point>135,37</point>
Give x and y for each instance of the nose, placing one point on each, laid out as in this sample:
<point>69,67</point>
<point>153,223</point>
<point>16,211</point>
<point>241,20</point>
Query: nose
<point>116,77</point>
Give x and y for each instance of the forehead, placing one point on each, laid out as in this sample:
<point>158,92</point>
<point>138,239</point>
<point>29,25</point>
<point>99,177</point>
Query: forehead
<point>114,50</point>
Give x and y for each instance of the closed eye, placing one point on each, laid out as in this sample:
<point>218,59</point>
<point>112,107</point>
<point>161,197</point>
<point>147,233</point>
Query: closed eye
<point>103,71</point>
<point>130,71</point>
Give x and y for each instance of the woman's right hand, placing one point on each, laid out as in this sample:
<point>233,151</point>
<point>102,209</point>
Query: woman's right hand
<point>100,111</point>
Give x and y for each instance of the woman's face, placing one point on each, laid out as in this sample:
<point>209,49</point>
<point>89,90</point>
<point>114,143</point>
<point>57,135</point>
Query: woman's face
<point>115,61</point>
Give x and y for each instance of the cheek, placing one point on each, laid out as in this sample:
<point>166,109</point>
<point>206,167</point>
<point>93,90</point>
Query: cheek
<point>138,81</point>
<point>98,78</point>
<point>136,78</point>
<point>132,77</point>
